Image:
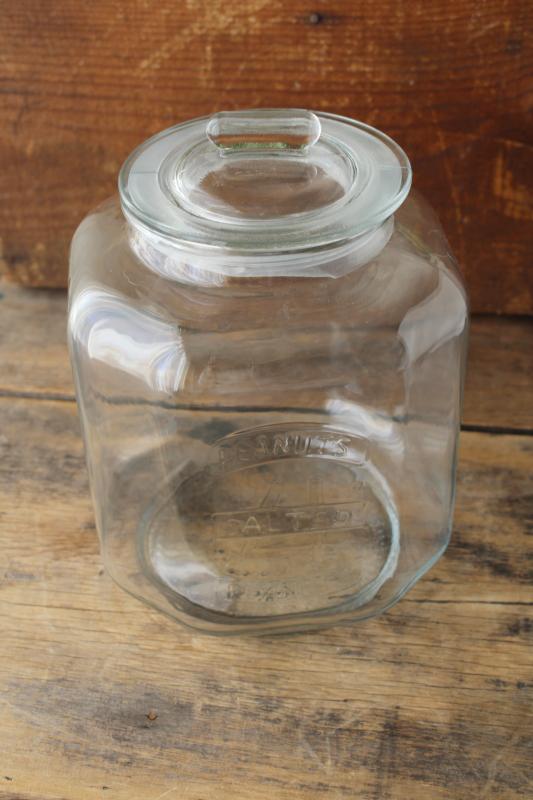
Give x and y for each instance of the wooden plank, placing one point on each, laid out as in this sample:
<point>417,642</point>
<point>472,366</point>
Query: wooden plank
<point>34,358</point>
<point>82,84</point>
<point>33,341</point>
<point>432,699</point>
<point>499,376</point>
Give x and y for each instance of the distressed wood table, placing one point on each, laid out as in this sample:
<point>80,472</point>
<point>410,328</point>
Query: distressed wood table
<point>100,697</point>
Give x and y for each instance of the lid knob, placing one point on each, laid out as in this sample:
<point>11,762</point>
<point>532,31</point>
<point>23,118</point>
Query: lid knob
<point>277,130</point>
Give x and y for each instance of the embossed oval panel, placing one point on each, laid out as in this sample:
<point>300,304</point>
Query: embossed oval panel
<point>280,521</point>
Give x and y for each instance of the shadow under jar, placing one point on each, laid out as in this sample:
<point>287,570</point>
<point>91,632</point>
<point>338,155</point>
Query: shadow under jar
<point>267,335</point>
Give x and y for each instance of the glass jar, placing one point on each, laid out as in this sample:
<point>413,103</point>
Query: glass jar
<point>268,338</point>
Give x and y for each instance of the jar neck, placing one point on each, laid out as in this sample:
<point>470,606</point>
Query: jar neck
<point>207,266</point>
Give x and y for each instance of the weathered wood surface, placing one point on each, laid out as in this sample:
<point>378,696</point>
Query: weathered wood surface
<point>432,699</point>
<point>34,359</point>
<point>82,84</point>
<point>499,377</point>
<point>101,697</point>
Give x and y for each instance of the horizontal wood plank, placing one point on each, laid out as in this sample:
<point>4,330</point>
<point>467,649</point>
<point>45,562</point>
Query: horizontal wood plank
<point>34,358</point>
<point>82,84</point>
<point>102,697</point>
<point>499,376</point>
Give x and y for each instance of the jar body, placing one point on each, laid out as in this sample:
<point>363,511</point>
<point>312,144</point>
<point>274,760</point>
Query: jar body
<point>268,453</point>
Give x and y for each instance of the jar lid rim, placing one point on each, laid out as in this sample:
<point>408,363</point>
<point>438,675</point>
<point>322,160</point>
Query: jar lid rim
<point>341,176</point>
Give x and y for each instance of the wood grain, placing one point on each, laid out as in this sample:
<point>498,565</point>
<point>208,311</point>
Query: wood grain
<point>101,697</point>
<point>82,84</point>
<point>432,699</point>
<point>499,377</point>
<point>34,358</point>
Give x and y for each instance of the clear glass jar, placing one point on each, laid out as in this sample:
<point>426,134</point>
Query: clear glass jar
<point>268,348</point>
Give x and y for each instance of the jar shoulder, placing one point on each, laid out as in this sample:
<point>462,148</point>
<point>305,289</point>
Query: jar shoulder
<point>415,275</point>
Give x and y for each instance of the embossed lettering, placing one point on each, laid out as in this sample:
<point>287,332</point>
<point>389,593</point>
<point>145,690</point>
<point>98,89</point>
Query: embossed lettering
<point>261,448</point>
<point>282,446</point>
<point>297,518</point>
<point>251,525</point>
<point>249,448</point>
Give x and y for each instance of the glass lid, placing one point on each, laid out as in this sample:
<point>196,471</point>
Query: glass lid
<point>265,180</point>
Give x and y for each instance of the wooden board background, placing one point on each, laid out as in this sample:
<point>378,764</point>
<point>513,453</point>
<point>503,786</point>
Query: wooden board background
<point>102,698</point>
<point>452,80</point>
